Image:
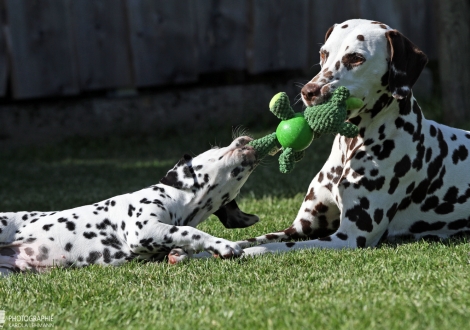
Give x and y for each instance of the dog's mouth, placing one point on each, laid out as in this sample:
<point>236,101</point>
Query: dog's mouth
<point>316,101</point>
<point>314,94</point>
<point>241,149</point>
<point>248,155</point>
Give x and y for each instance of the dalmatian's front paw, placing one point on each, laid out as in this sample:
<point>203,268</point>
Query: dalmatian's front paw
<point>225,249</point>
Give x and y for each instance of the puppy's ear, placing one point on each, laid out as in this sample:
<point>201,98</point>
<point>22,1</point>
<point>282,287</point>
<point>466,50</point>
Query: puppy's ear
<point>171,178</point>
<point>327,35</point>
<point>232,217</point>
<point>406,64</point>
<point>184,160</point>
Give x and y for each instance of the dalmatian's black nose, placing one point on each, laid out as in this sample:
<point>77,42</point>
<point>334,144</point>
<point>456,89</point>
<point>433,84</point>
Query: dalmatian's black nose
<point>310,91</point>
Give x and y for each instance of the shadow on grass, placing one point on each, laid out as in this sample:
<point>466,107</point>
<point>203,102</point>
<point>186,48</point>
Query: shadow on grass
<point>457,239</point>
<point>81,171</point>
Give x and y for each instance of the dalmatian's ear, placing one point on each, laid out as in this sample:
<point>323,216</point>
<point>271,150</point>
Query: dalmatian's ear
<point>406,63</point>
<point>232,217</point>
<point>184,160</point>
<point>327,35</point>
<point>171,178</point>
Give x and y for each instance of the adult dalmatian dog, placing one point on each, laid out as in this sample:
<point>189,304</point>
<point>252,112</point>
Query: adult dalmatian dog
<point>146,224</point>
<point>402,175</point>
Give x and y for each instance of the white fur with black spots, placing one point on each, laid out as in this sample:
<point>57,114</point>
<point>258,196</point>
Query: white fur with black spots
<point>402,176</point>
<point>146,224</point>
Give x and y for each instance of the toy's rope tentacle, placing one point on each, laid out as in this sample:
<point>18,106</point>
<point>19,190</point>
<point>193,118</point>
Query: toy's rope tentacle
<point>287,160</point>
<point>280,106</point>
<point>265,145</point>
<point>340,95</point>
<point>348,130</point>
<point>309,115</point>
<point>321,121</point>
<point>330,116</point>
<point>353,103</point>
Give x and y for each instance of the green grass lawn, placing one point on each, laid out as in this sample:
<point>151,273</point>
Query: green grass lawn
<point>419,285</point>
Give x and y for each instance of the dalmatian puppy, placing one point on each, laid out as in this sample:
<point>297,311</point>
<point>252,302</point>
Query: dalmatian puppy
<point>402,175</point>
<point>146,224</point>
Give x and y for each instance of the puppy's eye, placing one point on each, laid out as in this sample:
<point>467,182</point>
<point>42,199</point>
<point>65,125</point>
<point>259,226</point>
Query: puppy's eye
<point>352,60</point>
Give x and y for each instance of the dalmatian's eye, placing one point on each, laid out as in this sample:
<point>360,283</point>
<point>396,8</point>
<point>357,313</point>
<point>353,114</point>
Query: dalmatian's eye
<point>352,60</point>
<point>323,56</point>
<point>356,58</point>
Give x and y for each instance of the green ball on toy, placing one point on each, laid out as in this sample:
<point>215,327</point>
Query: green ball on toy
<point>295,133</point>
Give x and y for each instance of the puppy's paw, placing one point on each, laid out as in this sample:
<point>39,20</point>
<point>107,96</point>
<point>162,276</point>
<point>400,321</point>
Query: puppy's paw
<point>225,249</point>
<point>177,255</point>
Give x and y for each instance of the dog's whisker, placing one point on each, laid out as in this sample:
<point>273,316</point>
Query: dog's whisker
<point>235,130</point>
<point>297,99</point>
<point>267,161</point>
<point>240,130</point>
<point>314,65</point>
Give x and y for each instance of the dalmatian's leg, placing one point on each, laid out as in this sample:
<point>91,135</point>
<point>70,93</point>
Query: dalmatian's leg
<point>6,261</point>
<point>361,226</point>
<point>318,215</point>
<point>11,260</point>
<point>187,239</point>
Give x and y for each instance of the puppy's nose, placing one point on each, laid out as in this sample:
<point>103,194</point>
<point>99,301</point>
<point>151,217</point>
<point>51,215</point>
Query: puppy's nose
<point>310,91</point>
<point>242,140</point>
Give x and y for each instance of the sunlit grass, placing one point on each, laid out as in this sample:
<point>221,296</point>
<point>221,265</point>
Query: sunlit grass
<point>419,285</point>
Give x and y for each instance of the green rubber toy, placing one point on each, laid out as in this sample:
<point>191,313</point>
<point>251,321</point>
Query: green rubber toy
<point>296,131</point>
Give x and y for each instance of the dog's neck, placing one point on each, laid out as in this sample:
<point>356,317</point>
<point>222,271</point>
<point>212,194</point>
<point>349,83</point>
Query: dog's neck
<point>388,113</point>
<point>184,207</point>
